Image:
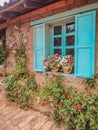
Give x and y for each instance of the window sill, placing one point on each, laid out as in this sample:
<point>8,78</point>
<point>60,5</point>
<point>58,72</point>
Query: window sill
<point>67,75</point>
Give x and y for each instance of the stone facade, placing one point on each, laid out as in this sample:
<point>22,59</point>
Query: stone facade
<point>28,31</point>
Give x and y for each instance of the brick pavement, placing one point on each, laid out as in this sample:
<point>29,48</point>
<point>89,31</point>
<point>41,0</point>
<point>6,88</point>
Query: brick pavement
<point>14,118</point>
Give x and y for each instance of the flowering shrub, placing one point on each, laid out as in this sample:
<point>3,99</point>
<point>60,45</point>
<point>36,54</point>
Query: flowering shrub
<point>73,109</point>
<point>79,113</point>
<point>52,61</point>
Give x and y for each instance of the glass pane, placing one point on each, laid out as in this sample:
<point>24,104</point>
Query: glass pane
<point>70,51</point>
<point>70,27</point>
<point>58,51</point>
<point>57,42</point>
<point>57,30</point>
<point>69,40</point>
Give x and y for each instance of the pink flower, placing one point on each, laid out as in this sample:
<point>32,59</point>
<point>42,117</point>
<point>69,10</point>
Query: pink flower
<point>7,69</point>
<point>43,59</point>
<point>14,51</point>
<point>46,63</point>
<point>56,56</point>
<point>5,101</point>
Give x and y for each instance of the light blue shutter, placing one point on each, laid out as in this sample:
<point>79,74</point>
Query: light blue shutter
<point>85,44</point>
<point>39,47</point>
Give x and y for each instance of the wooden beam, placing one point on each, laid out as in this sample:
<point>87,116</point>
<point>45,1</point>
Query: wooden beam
<point>10,14</point>
<point>32,5</point>
<point>12,6</point>
<point>34,13</point>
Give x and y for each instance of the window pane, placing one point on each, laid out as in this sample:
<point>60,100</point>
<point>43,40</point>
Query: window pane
<point>70,27</point>
<point>69,40</point>
<point>57,30</point>
<point>70,51</point>
<point>58,51</point>
<point>57,42</point>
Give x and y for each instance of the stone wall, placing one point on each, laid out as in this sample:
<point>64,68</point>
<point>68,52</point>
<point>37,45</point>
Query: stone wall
<point>28,31</point>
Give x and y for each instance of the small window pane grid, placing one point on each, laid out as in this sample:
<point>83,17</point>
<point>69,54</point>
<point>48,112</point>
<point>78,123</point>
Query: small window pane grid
<point>64,39</point>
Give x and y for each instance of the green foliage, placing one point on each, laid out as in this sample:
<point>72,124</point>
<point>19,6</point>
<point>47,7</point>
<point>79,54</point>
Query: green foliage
<point>21,89</point>
<point>73,109</point>
<point>3,54</point>
<point>21,85</point>
<point>92,82</point>
<point>79,110</point>
<point>51,91</point>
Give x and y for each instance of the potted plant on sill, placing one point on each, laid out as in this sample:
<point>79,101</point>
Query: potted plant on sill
<point>52,63</point>
<point>67,64</point>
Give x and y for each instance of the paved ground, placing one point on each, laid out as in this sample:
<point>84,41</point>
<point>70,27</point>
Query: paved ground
<point>14,118</point>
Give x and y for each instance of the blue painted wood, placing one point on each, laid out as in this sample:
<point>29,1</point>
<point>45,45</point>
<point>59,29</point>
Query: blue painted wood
<point>63,40</point>
<point>63,36</point>
<point>56,36</point>
<point>70,34</point>
<point>85,44</point>
<point>39,47</point>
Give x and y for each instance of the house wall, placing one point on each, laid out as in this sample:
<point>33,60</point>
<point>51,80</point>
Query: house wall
<point>41,77</point>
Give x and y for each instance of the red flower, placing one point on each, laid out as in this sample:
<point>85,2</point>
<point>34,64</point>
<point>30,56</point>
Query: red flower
<point>0,90</point>
<point>79,107</point>
<point>39,85</point>
<point>43,104</point>
<point>61,122</point>
<point>66,94</point>
<point>0,71</point>
<point>61,103</point>
<point>69,97</point>
<point>43,83</point>
<point>5,95</point>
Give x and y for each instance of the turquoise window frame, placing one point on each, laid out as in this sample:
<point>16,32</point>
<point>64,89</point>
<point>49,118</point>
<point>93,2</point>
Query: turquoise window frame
<point>63,47</point>
<point>63,36</point>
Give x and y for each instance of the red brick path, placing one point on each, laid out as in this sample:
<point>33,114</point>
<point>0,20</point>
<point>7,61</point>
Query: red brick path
<point>14,118</point>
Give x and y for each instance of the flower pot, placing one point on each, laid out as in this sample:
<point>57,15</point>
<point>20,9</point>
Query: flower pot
<point>54,69</point>
<point>67,69</point>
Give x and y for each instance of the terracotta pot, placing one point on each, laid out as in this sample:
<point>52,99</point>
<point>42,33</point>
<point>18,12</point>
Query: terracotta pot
<point>54,69</point>
<point>67,69</point>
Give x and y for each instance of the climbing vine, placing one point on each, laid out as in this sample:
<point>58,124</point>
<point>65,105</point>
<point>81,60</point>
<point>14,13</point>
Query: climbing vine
<point>21,85</point>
